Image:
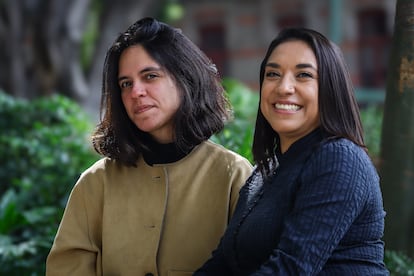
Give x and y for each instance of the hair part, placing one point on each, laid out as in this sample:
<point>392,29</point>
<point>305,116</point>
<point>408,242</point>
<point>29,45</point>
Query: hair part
<point>203,110</point>
<point>338,108</point>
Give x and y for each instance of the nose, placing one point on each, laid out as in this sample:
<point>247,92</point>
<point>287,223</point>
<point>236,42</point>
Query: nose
<point>286,85</point>
<point>138,90</point>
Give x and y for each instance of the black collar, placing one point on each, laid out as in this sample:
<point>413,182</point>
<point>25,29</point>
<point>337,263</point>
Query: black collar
<point>300,148</point>
<point>162,153</point>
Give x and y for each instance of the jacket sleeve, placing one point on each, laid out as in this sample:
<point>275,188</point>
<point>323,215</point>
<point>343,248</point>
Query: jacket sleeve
<point>332,192</point>
<point>76,248</point>
<point>215,266</point>
<point>242,170</point>
<point>218,265</point>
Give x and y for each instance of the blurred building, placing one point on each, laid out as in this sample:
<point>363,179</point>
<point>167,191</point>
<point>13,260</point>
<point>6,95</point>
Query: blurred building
<point>236,33</point>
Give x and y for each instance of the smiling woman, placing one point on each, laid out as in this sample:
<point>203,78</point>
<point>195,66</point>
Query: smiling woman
<point>289,94</point>
<point>313,205</point>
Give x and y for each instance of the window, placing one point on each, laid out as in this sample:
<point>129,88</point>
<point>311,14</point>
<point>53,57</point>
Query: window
<point>373,47</point>
<point>213,43</point>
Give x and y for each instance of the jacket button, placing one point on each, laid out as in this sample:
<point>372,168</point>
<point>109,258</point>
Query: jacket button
<point>149,274</point>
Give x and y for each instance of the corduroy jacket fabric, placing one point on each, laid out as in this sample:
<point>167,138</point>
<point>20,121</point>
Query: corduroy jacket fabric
<point>319,213</point>
<point>148,220</point>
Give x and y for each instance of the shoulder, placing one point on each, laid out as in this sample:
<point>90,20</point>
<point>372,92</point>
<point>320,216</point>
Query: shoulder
<point>343,161</point>
<point>218,152</point>
<point>98,172</point>
<point>101,166</point>
<point>218,149</point>
<point>342,151</point>
<point>220,163</point>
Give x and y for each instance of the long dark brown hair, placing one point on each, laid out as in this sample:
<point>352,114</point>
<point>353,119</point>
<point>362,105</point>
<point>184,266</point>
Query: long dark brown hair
<point>338,108</point>
<point>203,109</point>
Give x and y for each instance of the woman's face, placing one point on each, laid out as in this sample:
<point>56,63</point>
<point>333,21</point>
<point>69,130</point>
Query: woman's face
<point>289,95</point>
<point>149,94</point>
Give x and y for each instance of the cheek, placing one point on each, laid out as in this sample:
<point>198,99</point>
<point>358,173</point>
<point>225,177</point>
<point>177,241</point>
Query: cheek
<point>314,101</point>
<point>265,100</point>
<point>125,103</point>
<point>316,106</point>
<point>265,109</point>
<point>124,99</point>
<point>262,106</point>
<point>314,112</point>
<point>316,116</point>
<point>176,99</point>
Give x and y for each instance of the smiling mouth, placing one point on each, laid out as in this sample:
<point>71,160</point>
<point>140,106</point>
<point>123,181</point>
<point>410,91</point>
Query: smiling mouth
<point>287,107</point>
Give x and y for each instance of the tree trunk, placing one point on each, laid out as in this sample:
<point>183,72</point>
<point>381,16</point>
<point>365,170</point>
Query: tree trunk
<point>12,50</point>
<point>41,40</point>
<point>397,144</point>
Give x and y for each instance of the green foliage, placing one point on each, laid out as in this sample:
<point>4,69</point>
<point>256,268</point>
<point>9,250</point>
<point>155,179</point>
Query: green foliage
<point>170,11</point>
<point>44,148</point>
<point>371,118</point>
<point>398,263</point>
<point>238,134</point>
<point>90,36</point>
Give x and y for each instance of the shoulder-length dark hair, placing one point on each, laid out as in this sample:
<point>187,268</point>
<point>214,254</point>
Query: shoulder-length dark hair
<point>338,108</point>
<point>203,109</point>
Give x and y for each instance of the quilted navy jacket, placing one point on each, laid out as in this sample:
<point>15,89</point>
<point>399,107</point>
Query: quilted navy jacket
<point>319,213</point>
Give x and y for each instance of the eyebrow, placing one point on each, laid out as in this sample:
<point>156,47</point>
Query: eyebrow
<point>146,69</point>
<point>299,66</point>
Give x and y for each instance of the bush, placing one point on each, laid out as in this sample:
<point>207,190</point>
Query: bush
<point>398,263</point>
<point>44,147</point>
<point>238,133</point>
<point>371,118</point>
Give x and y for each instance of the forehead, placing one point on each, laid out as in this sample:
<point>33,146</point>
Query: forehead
<point>135,59</point>
<point>136,52</point>
<point>293,52</point>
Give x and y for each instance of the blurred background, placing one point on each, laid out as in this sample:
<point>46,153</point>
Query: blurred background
<point>52,54</point>
<point>59,46</point>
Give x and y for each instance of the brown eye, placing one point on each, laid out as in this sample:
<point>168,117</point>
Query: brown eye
<point>272,74</point>
<point>125,84</point>
<point>150,76</point>
<point>305,75</point>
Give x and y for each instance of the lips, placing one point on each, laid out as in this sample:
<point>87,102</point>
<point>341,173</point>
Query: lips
<point>287,107</point>
<point>142,108</point>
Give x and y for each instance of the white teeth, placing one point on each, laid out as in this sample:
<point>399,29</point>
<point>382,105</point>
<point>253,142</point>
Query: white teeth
<point>290,107</point>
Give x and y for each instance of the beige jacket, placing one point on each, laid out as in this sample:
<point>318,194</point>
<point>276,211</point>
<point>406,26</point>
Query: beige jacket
<point>161,220</point>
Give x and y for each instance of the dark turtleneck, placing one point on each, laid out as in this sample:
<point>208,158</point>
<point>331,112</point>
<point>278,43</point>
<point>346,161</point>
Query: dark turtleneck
<point>297,149</point>
<point>162,153</point>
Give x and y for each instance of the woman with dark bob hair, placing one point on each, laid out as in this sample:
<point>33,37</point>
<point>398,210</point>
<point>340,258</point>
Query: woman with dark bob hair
<point>162,195</point>
<point>313,204</point>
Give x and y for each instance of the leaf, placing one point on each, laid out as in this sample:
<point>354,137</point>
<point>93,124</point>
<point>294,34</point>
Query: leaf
<point>10,218</point>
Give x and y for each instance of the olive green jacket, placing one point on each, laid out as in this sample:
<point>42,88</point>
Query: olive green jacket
<point>161,219</point>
